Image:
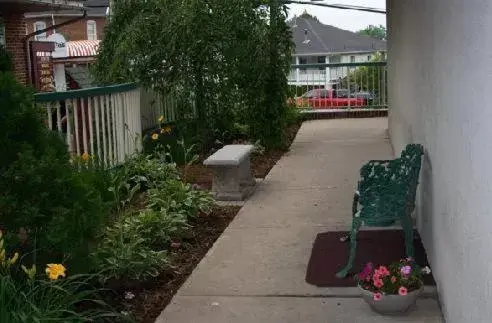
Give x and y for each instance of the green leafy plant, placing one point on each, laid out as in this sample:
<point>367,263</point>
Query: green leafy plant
<point>125,251</point>
<point>177,196</point>
<point>26,297</point>
<point>129,258</point>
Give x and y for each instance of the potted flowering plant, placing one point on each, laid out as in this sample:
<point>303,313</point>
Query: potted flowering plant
<point>391,289</point>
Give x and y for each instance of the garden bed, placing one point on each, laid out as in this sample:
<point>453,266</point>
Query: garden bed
<point>260,163</point>
<point>152,297</point>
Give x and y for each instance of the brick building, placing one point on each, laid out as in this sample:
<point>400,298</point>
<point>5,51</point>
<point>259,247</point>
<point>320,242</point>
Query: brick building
<point>89,28</point>
<point>13,28</point>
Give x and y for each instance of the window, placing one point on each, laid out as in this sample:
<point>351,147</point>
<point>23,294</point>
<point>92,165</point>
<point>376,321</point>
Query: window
<point>335,59</point>
<point>40,25</point>
<point>321,60</point>
<point>368,58</point>
<point>2,33</point>
<point>303,61</point>
<point>352,59</point>
<point>91,30</point>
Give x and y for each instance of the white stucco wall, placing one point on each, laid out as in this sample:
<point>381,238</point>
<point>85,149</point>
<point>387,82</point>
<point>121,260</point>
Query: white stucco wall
<point>440,88</point>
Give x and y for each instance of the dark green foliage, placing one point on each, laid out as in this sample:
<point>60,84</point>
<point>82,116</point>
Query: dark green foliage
<point>222,60</point>
<point>23,301</point>
<point>5,60</point>
<point>61,208</point>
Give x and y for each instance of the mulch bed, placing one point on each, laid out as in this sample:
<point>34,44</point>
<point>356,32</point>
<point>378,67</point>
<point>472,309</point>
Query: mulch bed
<point>153,296</point>
<point>381,247</point>
<point>261,164</point>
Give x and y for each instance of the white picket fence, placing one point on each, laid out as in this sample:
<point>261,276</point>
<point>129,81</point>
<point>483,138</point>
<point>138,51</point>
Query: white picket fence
<point>107,122</point>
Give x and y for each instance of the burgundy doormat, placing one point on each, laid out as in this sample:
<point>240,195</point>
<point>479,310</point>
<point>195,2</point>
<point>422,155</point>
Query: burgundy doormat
<point>381,247</point>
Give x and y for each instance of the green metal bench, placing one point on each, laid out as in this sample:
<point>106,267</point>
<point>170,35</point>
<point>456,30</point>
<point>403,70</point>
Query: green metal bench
<point>386,193</point>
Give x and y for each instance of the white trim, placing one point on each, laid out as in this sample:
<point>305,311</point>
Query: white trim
<point>42,25</point>
<point>338,53</point>
<point>93,24</point>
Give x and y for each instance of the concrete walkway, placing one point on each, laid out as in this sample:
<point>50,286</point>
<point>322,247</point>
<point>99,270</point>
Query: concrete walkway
<point>255,272</point>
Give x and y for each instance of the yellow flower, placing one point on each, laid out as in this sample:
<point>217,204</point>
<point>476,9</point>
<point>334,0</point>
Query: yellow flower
<point>54,271</point>
<point>155,136</point>
<point>166,130</point>
<point>85,156</point>
<point>161,118</point>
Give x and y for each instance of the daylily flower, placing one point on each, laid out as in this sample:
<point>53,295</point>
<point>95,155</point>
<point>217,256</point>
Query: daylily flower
<point>54,271</point>
<point>85,156</point>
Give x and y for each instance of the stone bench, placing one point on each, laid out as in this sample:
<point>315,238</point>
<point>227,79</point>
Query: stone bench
<point>233,179</point>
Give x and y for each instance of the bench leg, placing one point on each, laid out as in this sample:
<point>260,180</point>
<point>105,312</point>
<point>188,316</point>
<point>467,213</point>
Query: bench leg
<point>353,245</point>
<point>226,183</point>
<point>246,174</point>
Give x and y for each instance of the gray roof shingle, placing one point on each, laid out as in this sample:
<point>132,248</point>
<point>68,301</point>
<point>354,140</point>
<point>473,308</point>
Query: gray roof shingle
<point>95,8</point>
<point>328,39</point>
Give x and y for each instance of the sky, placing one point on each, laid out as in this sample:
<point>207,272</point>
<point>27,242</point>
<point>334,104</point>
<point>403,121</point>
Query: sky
<point>345,19</point>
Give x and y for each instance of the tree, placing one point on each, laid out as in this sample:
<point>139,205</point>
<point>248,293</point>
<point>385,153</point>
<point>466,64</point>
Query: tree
<point>305,15</point>
<point>214,56</point>
<point>378,32</point>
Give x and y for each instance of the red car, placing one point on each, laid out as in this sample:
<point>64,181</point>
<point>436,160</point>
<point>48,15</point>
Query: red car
<point>328,99</point>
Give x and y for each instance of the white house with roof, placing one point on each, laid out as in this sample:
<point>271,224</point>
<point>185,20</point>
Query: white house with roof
<point>316,43</point>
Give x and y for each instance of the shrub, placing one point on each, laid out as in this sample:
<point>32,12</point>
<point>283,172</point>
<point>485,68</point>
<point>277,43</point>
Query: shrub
<point>42,192</point>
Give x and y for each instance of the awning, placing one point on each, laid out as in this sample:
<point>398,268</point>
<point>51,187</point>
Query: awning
<point>82,48</point>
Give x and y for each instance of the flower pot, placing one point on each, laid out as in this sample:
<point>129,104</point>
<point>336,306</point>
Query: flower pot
<point>391,304</point>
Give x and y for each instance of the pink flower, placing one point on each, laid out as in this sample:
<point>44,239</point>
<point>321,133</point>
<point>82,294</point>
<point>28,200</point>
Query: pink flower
<point>378,283</point>
<point>377,296</point>
<point>393,279</point>
<point>175,245</point>
<point>376,276</point>
<point>405,270</point>
<point>383,271</point>
<point>366,272</point>
<point>403,291</point>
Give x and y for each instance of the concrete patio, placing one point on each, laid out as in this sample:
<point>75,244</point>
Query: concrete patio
<point>255,272</point>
